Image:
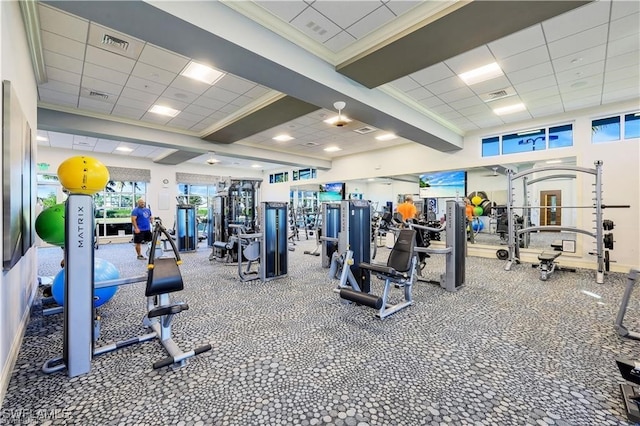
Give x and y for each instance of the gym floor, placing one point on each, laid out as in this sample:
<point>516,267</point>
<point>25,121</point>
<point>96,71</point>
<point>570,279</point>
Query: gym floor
<point>507,349</point>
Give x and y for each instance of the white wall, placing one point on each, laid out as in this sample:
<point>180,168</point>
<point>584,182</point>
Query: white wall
<point>17,286</point>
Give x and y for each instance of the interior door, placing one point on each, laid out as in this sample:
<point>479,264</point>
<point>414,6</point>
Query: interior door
<point>550,212</point>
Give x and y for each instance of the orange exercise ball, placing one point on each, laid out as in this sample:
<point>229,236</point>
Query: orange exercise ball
<point>83,175</point>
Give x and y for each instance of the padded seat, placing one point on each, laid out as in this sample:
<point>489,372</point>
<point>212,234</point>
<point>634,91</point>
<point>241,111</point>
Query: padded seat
<point>548,257</point>
<point>173,309</point>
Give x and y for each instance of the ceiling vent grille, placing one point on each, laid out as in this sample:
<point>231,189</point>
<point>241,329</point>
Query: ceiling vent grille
<point>100,95</point>
<point>498,94</point>
<point>115,42</point>
<point>364,130</point>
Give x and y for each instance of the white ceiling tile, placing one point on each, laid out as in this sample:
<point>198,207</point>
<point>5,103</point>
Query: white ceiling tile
<point>546,101</point>
<point>536,84</point>
<point>419,93</point>
<point>623,45</point>
<point>584,71</point>
<point>623,74</point>
<point>105,74</point>
<point>615,85</point>
<point>535,56</point>
<point>144,151</point>
<point>581,93</point>
<point>466,102</point>
<point>146,85</point>
<point>475,110</point>
<point>371,22</point>
<point>517,43</point>
<point>138,95</point>
<point>623,61</point>
<point>220,94</point>
<point>577,42</point>
<point>152,73</point>
<point>486,121</point>
<point>546,111</point>
<point>315,25</point>
<point>625,27</point>
<point>431,102</point>
<point>241,101</point>
<point>181,123</point>
<point>198,110</point>
<point>399,7</point>
<point>190,85</point>
<point>576,21</point>
<point>61,23</point>
<point>404,84</point>
<point>579,59</point>
<point>450,115</point>
<point>109,60</point>
<point>106,145</point>
<point>172,103</point>
<point>348,12</point>
<point>161,58</point>
<point>55,60</point>
<point>339,41</point>
<point>62,45</point>
<point>582,83</point>
<point>57,98</point>
<point>456,95</point>
<point>465,125</point>
<point>441,109</point>
<point>86,93</point>
<point>186,116</point>
<point>151,117</point>
<point>539,94</point>
<point>229,108</point>
<point>285,10</point>
<point>499,103</point>
<point>59,86</point>
<point>60,140</point>
<point>586,102</point>
<point>179,95</point>
<point>209,103</point>
<point>470,60</point>
<point>514,118</point>
<point>625,94</point>
<point>433,74</point>
<point>528,74</point>
<point>492,85</point>
<point>101,86</point>
<point>235,84</point>
<point>620,9</point>
<point>446,85</point>
<point>63,76</point>
<point>128,112</point>
<point>258,91</point>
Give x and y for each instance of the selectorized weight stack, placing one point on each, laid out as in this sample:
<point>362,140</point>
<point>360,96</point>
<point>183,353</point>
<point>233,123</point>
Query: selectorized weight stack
<point>186,228</point>
<point>355,236</point>
<point>329,232</point>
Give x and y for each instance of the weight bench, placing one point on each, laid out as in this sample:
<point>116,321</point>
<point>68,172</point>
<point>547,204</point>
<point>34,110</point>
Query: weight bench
<point>548,264</point>
<point>400,270</point>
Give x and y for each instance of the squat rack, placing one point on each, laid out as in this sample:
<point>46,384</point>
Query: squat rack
<point>513,244</point>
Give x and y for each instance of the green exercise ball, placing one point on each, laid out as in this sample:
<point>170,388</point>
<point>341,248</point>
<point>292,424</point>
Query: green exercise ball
<point>50,225</point>
<point>477,211</point>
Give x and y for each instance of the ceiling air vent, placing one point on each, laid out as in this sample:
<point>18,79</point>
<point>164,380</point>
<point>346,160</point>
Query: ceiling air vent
<point>498,94</point>
<point>364,130</point>
<point>310,144</point>
<point>115,42</point>
<point>100,95</point>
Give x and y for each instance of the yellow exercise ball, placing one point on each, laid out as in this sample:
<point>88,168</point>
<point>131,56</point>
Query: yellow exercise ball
<point>476,200</point>
<point>83,175</point>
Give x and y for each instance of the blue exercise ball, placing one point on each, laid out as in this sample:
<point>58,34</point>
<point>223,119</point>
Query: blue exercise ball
<point>477,226</point>
<point>102,271</point>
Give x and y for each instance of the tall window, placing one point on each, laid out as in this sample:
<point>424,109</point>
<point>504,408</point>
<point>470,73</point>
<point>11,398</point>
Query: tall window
<point>200,196</point>
<point>113,206</point>
<point>48,188</point>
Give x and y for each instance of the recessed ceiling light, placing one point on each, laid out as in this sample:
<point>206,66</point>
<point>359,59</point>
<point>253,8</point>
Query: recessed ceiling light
<point>283,138</point>
<point>202,73</point>
<point>509,109</point>
<point>164,110</point>
<point>124,149</point>
<point>334,120</point>
<point>332,149</point>
<point>484,73</point>
<point>386,137</point>
<point>42,139</point>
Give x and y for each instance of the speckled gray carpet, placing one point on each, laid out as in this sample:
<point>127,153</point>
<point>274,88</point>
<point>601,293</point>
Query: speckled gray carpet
<point>507,349</point>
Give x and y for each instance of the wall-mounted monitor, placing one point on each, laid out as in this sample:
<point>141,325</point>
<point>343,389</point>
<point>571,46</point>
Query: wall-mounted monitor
<point>443,184</point>
<point>334,191</point>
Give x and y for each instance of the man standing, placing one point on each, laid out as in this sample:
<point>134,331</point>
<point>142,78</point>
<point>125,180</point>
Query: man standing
<point>141,219</point>
<point>407,209</point>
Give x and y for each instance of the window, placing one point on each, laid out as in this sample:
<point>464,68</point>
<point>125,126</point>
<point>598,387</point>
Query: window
<point>200,196</point>
<point>279,177</point>
<point>303,174</point>
<point>113,206</point>
<point>517,142</point>
<point>632,126</point>
<point>560,136</point>
<point>48,188</point>
<point>491,146</point>
<point>605,129</point>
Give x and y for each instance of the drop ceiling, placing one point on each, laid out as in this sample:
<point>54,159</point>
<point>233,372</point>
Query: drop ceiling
<point>585,57</point>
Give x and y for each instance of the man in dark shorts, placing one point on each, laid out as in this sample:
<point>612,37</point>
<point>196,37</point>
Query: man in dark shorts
<point>141,219</point>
